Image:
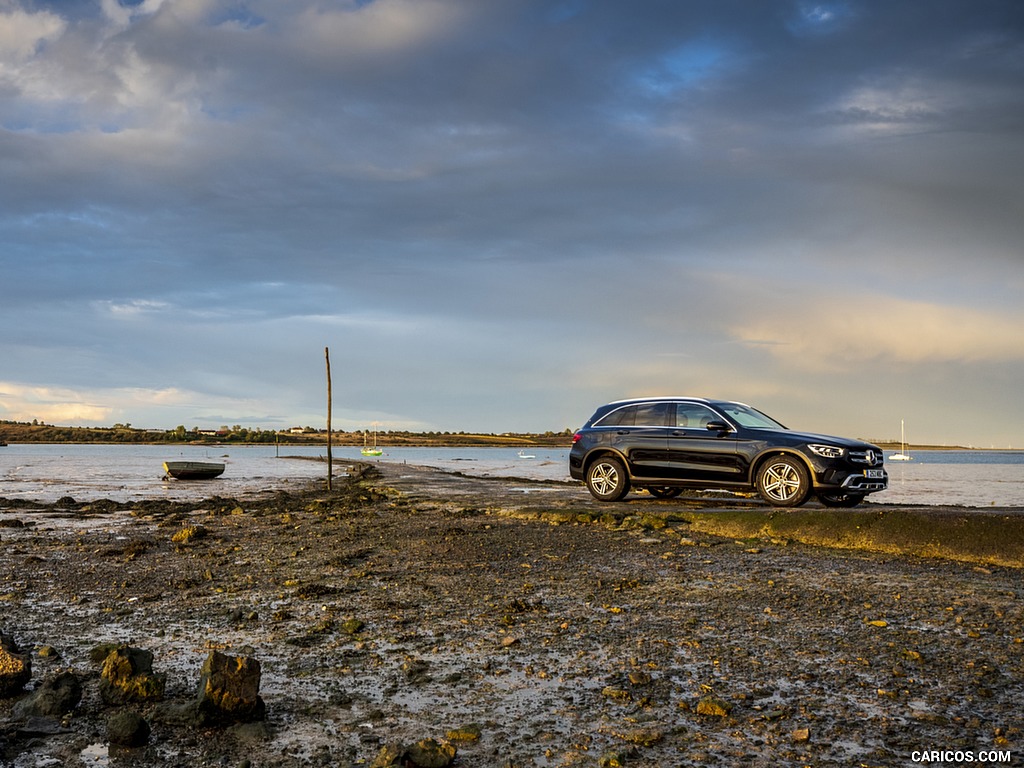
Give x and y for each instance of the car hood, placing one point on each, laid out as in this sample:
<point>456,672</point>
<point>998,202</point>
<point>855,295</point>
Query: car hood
<point>845,442</point>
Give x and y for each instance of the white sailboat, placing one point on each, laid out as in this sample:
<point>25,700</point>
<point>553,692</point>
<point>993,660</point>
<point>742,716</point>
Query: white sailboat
<point>372,450</point>
<point>902,455</point>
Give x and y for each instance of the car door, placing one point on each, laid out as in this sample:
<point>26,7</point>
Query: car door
<point>697,453</point>
<point>640,433</point>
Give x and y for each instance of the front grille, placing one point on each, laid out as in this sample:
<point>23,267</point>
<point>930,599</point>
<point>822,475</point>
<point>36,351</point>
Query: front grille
<point>870,457</point>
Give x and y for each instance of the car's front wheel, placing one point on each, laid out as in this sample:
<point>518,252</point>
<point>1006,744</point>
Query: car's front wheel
<point>607,479</point>
<point>840,499</point>
<point>783,481</point>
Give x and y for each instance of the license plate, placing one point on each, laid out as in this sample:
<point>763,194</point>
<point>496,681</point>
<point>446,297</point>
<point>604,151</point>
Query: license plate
<point>874,474</point>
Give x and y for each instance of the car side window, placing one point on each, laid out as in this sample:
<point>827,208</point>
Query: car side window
<point>621,417</point>
<point>642,415</point>
<point>652,415</point>
<point>694,416</point>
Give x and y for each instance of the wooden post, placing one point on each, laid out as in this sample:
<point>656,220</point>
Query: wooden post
<point>327,357</point>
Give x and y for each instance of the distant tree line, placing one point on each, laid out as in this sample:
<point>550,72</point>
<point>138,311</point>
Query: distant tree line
<point>39,432</point>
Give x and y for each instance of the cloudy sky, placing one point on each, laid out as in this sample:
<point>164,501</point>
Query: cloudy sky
<point>499,215</point>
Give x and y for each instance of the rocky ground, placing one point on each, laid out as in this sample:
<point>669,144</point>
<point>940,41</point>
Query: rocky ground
<point>513,623</point>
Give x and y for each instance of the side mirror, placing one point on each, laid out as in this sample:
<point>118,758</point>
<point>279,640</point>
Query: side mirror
<point>718,426</point>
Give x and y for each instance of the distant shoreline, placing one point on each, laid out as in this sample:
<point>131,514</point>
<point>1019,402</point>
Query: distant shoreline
<point>436,443</point>
<point>426,443</point>
<point>17,432</point>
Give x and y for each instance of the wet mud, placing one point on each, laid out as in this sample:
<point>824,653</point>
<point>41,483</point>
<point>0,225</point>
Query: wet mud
<point>521,623</point>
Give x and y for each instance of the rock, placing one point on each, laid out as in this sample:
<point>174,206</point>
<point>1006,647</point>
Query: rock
<point>229,690</point>
<point>15,667</point>
<point>127,729</point>
<point>98,654</point>
<point>56,696</point>
<point>468,733</point>
<point>41,726</point>
<point>801,735</point>
<point>127,676</point>
<point>652,523</point>
<point>352,626</point>
<point>645,737</point>
<point>390,756</point>
<point>713,707</point>
<point>639,677</point>
<point>429,753</point>
<point>190,533</point>
<point>49,652</point>
<point>417,671</point>
<point>616,693</point>
<point>560,517</point>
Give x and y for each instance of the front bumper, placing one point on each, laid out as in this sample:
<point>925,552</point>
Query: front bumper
<point>862,484</point>
<point>854,480</point>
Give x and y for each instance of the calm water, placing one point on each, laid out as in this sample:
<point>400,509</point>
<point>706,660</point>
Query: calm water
<point>128,472</point>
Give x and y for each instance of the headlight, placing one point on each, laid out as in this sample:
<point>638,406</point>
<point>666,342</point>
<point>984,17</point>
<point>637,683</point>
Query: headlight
<point>827,451</point>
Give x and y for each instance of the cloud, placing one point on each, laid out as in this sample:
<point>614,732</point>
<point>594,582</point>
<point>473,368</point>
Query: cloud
<point>373,29</point>
<point>133,308</point>
<point>496,214</point>
<point>821,18</point>
<point>23,32</point>
<point>833,333</point>
<point>103,406</point>
<point>58,405</point>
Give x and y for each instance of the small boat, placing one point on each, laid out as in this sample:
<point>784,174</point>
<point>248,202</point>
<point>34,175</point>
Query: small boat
<point>371,450</point>
<point>902,455</point>
<point>194,470</point>
<point>525,455</point>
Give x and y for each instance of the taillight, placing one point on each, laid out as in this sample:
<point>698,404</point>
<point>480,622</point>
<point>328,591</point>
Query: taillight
<point>576,438</point>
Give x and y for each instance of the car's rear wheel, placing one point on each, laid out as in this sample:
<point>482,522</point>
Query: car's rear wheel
<point>783,482</point>
<point>664,491</point>
<point>607,479</point>
<point>840,499</point>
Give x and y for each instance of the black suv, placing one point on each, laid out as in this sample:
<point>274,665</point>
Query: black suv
<point>666,444</point>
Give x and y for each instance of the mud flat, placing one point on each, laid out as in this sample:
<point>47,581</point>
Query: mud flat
<point>516,623</point>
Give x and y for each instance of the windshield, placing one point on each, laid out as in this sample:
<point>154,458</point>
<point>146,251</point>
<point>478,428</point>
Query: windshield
<point>746,416</point>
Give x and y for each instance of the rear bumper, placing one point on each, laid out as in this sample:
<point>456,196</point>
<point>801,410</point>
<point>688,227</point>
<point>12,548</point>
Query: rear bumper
<point>576,466</point>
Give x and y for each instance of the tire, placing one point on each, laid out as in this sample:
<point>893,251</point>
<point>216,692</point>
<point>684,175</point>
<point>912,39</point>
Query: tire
<point>783,482</point>
<point>607,479</point>
<point>664,491</point>
<point>840,499</point>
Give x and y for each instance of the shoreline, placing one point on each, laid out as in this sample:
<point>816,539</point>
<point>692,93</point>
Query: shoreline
<point>484,441</point>
<point>515,624</point>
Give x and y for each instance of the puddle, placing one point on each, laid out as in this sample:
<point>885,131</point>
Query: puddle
<point>96,755</point>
